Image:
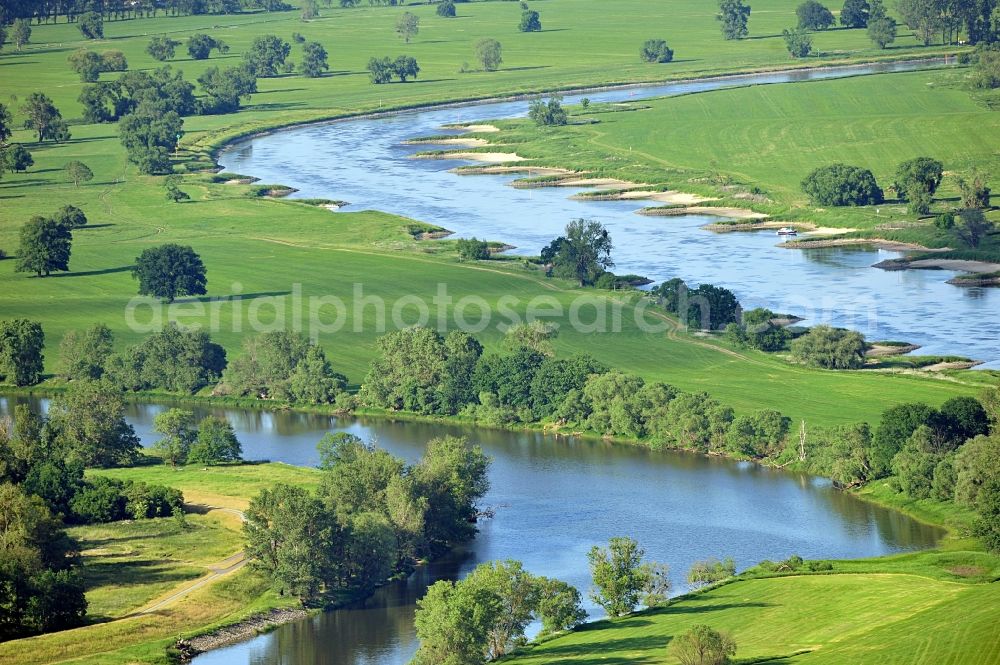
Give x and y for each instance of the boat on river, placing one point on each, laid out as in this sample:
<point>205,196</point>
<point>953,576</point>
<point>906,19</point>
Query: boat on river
<point>787,231</point>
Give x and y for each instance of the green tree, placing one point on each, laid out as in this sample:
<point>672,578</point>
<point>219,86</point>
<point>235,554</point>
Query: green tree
<point>830,348</point>
<point>452,622</point>
<point>530,21</point>
<point>881,27</point>
<point>585,252</point>
<point>407,26</point>
<point>113,61</point>
<point>91,25</point>
<point>975,465</point>
<point>405,67</point>
<point>473,249</point>
<point>619,576</point>
<point>356,475</point>
<point>42,116</point>
<point>150,135</point>
<point>452,475</point>
<point>897,426</point>
<point>313,380</point>
<point>656,50</point>
<point>21,33</point>
<point>408,372</point>
<point>90,419</point>
<point>78,172</point>
<point>916,181</point>
<point>266,366</point>
<point>292,539</point>
<point>701,645</point>
<point>171,359</point>
<point>177,428</point>
<point>559,607</point>
<point>973,227</point>
<point>710,307</point>
<point>846,455</point>
<point>760,332</point>
<point>855,14</point>
<point>169,271</point>
<point>216,443</point>
<point>70,217</point>
<point>842,185</point>
<point>21,345</point>
<point>814,16</point>
<point>536,336</point>
<point>446,9</point>
<point>175,194</point>
<point>380,70</point>
<point>225,89</point>
<point>734,17</point>
<point>45,245</point>
<point>84,355</point>
<point>913,466</point>
<point>760,434</point>
<point>549,114</point>
<point>518,595</point>
<point>200,46</point>
<point>974,189</point>
<point>921,16</point>
<point>162,48</point>
<point>987,524</point>
<point>314,60</point>
<point>17,159</point>
<point>489,53</point>
<point>798,42</point>
<point>266,55</point>
<point>371,551</point>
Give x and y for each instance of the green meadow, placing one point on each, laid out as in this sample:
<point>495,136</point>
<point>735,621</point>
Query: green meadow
<point>892,618</point>
<point>767,138</point>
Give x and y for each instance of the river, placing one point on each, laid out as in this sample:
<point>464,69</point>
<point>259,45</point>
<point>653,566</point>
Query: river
<point>366,162</point>
<point>554,499</point>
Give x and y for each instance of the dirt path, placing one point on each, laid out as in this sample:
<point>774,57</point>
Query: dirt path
<point>229,565</point>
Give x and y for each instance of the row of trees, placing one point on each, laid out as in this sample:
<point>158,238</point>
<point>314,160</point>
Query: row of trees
<point>384,69</point>
<point>50,11</point>
<point>373,516</point>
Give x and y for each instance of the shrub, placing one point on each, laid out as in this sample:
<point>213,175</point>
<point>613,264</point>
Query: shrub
<point>446,9</point>
<point>842,185</point>
<point>830,348</point>
<point>472,249</point>
<point>656,50</point>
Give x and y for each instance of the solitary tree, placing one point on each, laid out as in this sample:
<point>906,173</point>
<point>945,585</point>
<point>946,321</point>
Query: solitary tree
<point>916,181</point>
<point>489,52</point>
<point>17,159</point>
<point>21,33</point>
<point>175,194</point>
<point>162,48</point>
<point>169,271</point>
<point>656,50</point>
<point>42,116</point>
<point>975,191</point>
<point>78,172</point>
<point>266,55</point>
<point>446,9</point>
<point>734,17</point>
<point>200,46</point>
<point>855,14</point>
<point>814,16</point>
<point>405,66</point>
<point>798,42</point>
<point>620,577</point>
<point>842,185</point>
<point>45,246</point>
<point>71,217</point>
<point>831,348</point>
<point>702,645</point>
<point>547,114</point>
<point>407,26</point>
<point>216,443</point>
<point>83,355</point>
<point>314,60</point>
<point>380,70</point>
<point>530,21</point>
<point>91,25</point>
<point>87,64</point>
<point>585,252</point>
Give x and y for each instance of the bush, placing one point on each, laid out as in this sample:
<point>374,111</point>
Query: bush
<point>798,42</point>
<point>656,50</point>
<point>530,21</point>
<point>830,348</point>
<point>446,9</point>
<point>548,114</point>
<point>472,249</point>
<point>842,185</point>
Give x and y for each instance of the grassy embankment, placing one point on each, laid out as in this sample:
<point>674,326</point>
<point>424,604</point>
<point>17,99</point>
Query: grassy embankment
<point>132,565</point>
<point>268,245</point>
<point>732,144</point>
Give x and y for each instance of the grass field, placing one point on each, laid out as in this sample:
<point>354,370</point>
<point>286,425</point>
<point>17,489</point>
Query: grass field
<point>770,137</point>
<point>842,618</point>
<point>129,564</point>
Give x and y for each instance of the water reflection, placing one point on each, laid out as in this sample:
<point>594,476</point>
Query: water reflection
<point>555,498</point>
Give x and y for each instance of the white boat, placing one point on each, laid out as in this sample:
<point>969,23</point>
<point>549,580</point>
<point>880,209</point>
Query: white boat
<point>787,231</point>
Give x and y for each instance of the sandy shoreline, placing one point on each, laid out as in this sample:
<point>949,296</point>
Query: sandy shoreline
<point>486,157</point>
<point>468,142</point>
<point>958,265</point>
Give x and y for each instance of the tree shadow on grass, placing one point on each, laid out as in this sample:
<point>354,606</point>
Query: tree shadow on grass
<point>93,226</point>
<point>524,69</point>
<point>241,296</point>
<point>92,273</point>
<point>608,652</point>
<point>276,106</point>
<point>431,80</point>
